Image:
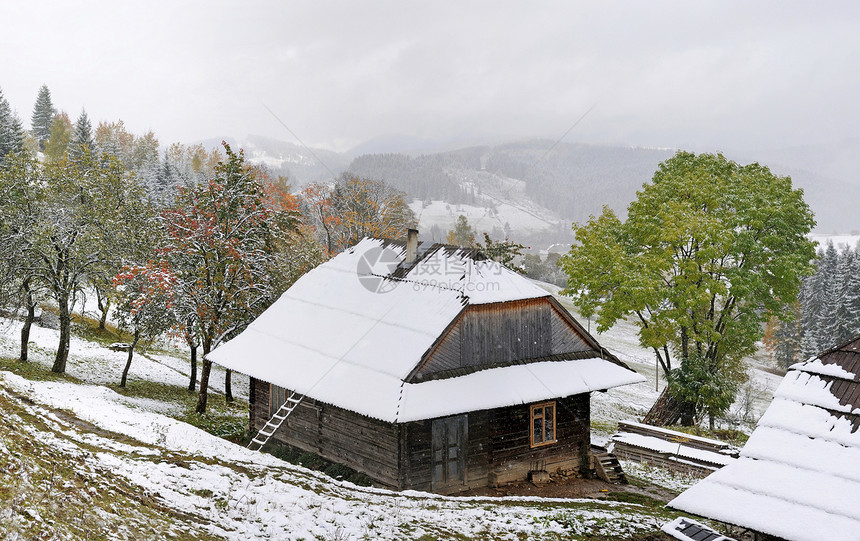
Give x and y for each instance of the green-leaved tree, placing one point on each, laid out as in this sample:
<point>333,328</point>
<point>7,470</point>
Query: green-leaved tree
<point>709,251</point>
<point>462,234</point>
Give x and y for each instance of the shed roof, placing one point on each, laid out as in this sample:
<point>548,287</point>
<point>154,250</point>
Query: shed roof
<point>350,332</point>
<point>798,476</point>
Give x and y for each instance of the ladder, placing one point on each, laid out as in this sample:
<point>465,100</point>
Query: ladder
<point>275,422</point>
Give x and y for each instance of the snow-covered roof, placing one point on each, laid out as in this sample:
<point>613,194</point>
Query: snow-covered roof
<point>798,476</point>
<point>686,529</point>
<point>350,332</point>
<point>677,448</point>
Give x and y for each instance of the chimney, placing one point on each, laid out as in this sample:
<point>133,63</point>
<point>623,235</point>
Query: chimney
<point>411,246</point>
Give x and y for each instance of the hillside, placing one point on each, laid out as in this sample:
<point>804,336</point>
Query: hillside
<point>88,458</point>
<point>555,185</point>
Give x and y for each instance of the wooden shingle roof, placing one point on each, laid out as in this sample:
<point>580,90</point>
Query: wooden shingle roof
<point>798,477</point>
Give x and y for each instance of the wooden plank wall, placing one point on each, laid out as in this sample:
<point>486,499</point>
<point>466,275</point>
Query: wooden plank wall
<point>362,443</point>
<point>498,449</point>
<point>259,404</point>
<point>511,457</point>
<point>503,332</point>
<point>490,334</point>
<point>564,338</point>
<point>416,467</point>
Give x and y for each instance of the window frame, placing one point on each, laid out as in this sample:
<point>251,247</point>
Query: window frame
<point>542,415</point>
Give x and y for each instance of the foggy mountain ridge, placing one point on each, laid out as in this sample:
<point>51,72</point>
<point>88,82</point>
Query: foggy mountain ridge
<point>566,184</point>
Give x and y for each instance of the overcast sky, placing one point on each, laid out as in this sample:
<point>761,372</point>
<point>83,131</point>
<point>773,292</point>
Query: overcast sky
<point>697,75</point>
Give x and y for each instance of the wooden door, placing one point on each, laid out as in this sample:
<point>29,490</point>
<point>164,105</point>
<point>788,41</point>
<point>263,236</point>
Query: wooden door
<point>448,450</point>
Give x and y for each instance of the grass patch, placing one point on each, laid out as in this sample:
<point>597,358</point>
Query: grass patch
<point>230,427</point>
<point>33,371</point>
<point>315,462</point>
<point>634,497</point>
<point>87,327</point>
<point>228,420</point>
<point>604,427</point>
<point>52,492</point>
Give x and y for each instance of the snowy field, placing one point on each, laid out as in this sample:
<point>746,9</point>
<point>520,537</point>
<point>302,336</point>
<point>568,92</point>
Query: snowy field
<point>216,489</point>
<point>223,490</point>
<point>841,242</point>
<point>444,215</point>
<point>239,494</point>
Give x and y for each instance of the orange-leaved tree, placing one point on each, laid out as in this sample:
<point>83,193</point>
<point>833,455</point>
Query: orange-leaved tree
<point>145,302</point>
<point>353,208</point>
<point>221,242</point>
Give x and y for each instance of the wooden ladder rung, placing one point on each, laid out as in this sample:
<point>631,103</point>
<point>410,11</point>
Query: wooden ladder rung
<point>275,422</point>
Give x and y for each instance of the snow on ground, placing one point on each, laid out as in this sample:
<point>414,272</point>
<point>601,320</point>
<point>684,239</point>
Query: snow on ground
<point>234,493</point>
<point>507,195</point>
<point>672,480</point>
<point>444,215</point>
<point>841,242</point>
<point>241,494</point>
<point>94,363</point>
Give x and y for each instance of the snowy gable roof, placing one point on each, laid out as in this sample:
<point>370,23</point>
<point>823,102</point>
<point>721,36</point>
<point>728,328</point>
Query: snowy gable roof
<point>798,477</point>
<point>350,331</point>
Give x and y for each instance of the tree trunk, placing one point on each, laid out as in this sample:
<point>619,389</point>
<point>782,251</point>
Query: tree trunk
<point>130,355</point>
<point>228,386</point>
<point>204,378</point>
<point>65,329</point>
<point>104,311</point>
<point>192,382</point>
<point>103,303</point>
<point>28,321</point>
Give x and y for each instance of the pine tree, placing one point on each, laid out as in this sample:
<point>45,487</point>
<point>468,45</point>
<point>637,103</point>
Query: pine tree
<point>787,340</point>
<point>43,117</point>
<point>82,137</point>
<point>11,131</point>
<point>802,300</point>
<point>811,304</point>
<point>849,307</point>
<point>826,322</point>
<point>167,179</point>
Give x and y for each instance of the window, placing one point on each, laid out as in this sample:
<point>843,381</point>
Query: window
<point>277,397</point>
<point>543,424</point>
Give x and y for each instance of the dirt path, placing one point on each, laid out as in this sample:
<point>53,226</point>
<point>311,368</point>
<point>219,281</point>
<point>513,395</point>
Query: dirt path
<point>574,488</point>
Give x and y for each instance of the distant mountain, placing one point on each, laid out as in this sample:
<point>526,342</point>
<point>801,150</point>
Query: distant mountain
<point>404,144</point>
<point>555,184</point>
<point>394,143</point>
<point>299,164</point>
<point>829,176</point>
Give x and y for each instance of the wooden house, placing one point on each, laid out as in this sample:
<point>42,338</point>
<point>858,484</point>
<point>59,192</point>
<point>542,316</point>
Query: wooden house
<point>798,476</point>
<point>426,367</point>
